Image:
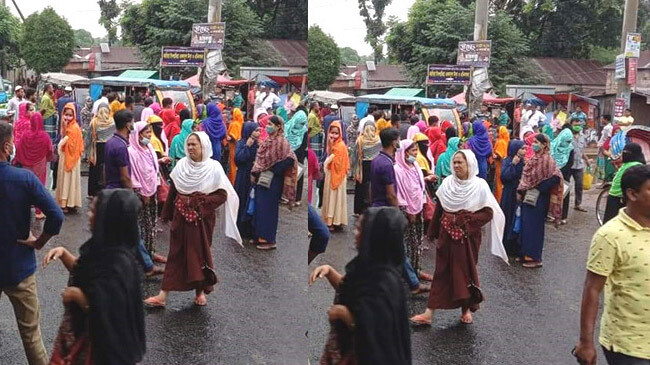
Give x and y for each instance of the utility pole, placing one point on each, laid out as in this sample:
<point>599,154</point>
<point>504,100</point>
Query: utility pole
<point>630,16</point>
<point>479,75</point>
<point>213,60</point>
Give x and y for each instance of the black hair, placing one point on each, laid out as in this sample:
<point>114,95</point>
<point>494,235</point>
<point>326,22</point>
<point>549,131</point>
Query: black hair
<point>607,117</point>
<point>276,120</point>
<point>414,120</point>
<point>167,102</point>
<point>566,126</point>
<point>388,136</point>
<point>128,101</point>
<point>450,133</point>
<point>372,109</point>
<point>6,131</point>
<point>313,105</point>
<point>403,116</point>
<point>394,119</point>
<point>634,178</point>
<point>628,110</point>
<point>423,146</point>
<point>633,152</point>
<point>542,138</point>
<point>185,114</point>
<point>137,98</point>
<point>111,97</point>
<point>148,101</point>
<point>301,107</point>
<point>433,120</point>
<point>122,118</point>
<point>29,92</point>
<point>378,114</point>
<point>106,91</point>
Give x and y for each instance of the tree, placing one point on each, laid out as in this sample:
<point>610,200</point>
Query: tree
<point>110,10</point>
<point>433,30</point>
<point>47,41</point>
<point>83,38</point>
<point>375,26</point>
<point>324,59</point>
<point>9,39</point>
<point>153,24</point>
<point>290,21</point>
<point>349,56</point>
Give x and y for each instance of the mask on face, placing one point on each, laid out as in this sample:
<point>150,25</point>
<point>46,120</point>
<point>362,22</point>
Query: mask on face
<point>411,159</point>
<point>577,128</point>
<point>536,147</point>
<point>270,129</point>
<point>145,141</point>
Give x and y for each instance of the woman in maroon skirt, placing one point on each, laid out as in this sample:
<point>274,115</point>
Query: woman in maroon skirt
<point>199,186</point>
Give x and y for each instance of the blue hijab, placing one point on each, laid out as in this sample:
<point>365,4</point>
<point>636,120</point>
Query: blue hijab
<point>480,141</point>
<point>248,129</point>
<point>215,128</point>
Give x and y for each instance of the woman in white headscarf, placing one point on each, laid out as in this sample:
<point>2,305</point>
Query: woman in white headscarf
<point>199,187</point>
<point>466,206</point>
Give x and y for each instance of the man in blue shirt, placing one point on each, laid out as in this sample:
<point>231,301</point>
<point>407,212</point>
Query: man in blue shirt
<point>19,190</point>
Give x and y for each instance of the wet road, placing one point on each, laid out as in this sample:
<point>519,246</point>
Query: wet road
<point>256,315</point>
<point>529,316</point>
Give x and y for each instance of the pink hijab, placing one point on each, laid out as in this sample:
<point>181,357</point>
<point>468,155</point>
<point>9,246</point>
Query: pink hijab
<point>146,113</point>
<point>412,131</point>
<point>422,125</point>
<point>144,163</point>
<point>264,121</point>
<point>156,108</point>
<point>410,181</point>
<point>35,145</point>
<point>22,125</point>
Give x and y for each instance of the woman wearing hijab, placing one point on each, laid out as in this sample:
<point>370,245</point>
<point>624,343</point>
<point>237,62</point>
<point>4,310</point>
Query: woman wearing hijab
<point>466,204</point>
<point>156,124</point>
<point>422,126</point>
<point>148,110</point>
<point>382,124</point>
<point>71,147</point>
<point>156,108</point>
<point>450,133</point>
<point>23,123</point>
<point>411,198</point>
<point>445,125</point>
<point>541,178</point>
<point>480,144</point>
<point>500,153</point>
<point>353,133</point>
<point>263,122</point>
<point>528,140</point>
<point>103,322</point>
<point>177,148</point>
<point>234,135</point>
<point>336,166</point>
<point>214,126</point>
<point>467,130</point>
<point>101,129</point>
<point>245,153</point>
<point>632,156</point>
<point>562,152</point>
<point>370,298</point>
<point>422,142</point>
<point>437,143</point>
<point>296,133</point>
<point>313,170</point>
<point>512,168</point>
<point>199,187</point>
<point>145,179</point>
<point>86,117</point>
<point>443,165</point>
<point>274,157</point>
<point>34,151</point>
<point>367,148</point>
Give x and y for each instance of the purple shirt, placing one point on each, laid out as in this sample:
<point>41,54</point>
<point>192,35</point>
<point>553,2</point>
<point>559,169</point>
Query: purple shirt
<point>116,155</point>
<point>382,174</point>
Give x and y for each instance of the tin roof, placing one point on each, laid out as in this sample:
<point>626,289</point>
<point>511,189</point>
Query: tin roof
<point>566,71</point>
<point>643,62</point>
<point>386,73</point>
<point>292,53</point>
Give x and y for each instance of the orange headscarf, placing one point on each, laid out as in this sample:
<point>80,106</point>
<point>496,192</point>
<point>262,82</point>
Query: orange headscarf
<point>501,145</point>
<point>235,127</point>
<point>382,124</point>
<point>340,164</point>
<point>74,146</point>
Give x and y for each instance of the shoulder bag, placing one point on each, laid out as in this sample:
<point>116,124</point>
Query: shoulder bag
<point>265,179</point>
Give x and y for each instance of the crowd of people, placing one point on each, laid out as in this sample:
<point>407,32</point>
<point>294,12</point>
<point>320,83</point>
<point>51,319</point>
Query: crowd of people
<point>148,162</point>
<point>490,180</point>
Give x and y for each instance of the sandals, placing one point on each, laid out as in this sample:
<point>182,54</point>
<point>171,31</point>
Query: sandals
<point>154,302</point>
<point>155,271</point>
<point>580,209</point>
<point>463,321</point>
<point>200,303</point>
<point>419,320</point>
<point>425,277</point>
<point>421,289</point>
<point>266,246</point>
<point>532,264</point>
<point>160,258</point>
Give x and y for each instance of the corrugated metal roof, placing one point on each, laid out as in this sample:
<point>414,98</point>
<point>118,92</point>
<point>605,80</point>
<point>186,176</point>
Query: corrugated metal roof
<point>386,73</point>
<point>140,74</point>
<point>643,62</point>
<point>292,53</point>
<point>566,71</point>
<point>399,91</point>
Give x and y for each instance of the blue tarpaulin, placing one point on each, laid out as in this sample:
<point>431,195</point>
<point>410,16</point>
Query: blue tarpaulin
<point>95,91</point>
<point>362,109</point>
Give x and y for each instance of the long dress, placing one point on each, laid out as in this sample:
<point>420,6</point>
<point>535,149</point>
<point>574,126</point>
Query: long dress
<point>510,176</point>
<point>301,156</point>
<point>267,202</point>
<point>189,241</point>
<point>68,183</point>
<point>335,207</point>
<point>451,278</point>
<point>244,159</point>
<point>531,239</point>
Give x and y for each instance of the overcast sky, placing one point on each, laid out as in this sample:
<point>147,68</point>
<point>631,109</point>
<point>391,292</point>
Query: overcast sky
<point>80,14</point>
<point>341,20</point>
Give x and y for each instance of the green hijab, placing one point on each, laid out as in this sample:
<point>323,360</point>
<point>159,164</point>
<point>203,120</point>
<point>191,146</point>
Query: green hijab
<point>443,165</point>
<point>282,112</point>
<point>548,130</point>
<point>561,147</point>
<point>177,150</point>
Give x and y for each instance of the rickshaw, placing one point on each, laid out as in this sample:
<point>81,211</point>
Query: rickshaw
<point>636,134</point>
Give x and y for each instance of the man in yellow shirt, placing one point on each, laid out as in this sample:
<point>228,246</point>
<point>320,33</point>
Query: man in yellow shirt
<point>626,120</point>
<point>619,261</point>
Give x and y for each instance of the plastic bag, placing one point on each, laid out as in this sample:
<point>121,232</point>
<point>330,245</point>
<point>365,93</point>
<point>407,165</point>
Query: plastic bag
<point>587,179</point>
<point>250,208</point>
<point>516,228</point>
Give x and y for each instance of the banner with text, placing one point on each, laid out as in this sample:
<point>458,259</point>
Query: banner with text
<point>475,54</point>
<point>208,35</point>
<point>448,75</point>
<point>182,56</point>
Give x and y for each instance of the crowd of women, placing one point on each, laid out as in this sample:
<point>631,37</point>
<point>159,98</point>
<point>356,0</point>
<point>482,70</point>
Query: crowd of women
<point>460,187</point>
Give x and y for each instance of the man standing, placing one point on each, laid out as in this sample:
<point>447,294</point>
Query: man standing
<point>607,130</point>
<point>368,118</point>
<point>49,112</point>
<point>63,100</point>
<point>128,103</point>
<point>19,190</point>
<point>504,119</point>
<point>579,161</point>
<point>383,192</point>
<point>12,105</point>
<point>138,107</point>
<point>331,117</point>
<point>626,120</point>
<point>102,100</point>
<point>404,126</point>
<point>580,115</point>
<point>315,130</point>
<point>619,260</point>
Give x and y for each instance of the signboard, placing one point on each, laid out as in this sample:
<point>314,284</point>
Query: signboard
<point>633,45</point>
<point>208,35</point>
<point>619,107</point>
<point>619,73</point>
<point>631,70</point>
<point>448,75</point>
<point>182,56</point>
<point>475,54</point>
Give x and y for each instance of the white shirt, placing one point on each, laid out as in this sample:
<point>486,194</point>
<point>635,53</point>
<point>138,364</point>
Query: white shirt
<point>362,122</point>
<point>13,105</point>
<point>270,100</point>
<point>101,100</point>
<point>525,116</point>
<point>607,132</point>
<point>536,118</point>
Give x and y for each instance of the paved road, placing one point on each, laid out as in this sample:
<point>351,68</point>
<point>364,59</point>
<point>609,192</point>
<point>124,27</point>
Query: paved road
<point>255,316</point>
<point>529,316</point>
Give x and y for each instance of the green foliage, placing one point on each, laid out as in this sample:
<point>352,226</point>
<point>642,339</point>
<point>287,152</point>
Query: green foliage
<point>47,41</point>
<point>349,56</point>
<point>375,25</point>
<point>324,59</point>
<point>110,10</point>
<point>282,19</point>
<point>10,33</point>
<point>83,38</point>
<point>604,55</point>
<point>153,24</point>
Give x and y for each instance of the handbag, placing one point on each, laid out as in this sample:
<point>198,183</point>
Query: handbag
<point>81,346</point>
<point>531,197</point>
<point>265,179</point>
<point>163,190</point>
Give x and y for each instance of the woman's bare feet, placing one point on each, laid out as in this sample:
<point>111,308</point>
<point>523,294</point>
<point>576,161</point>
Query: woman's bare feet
<point>200,299</point>
<point>423,319</point>
<point>466,317</point>
<point>157,301</point>
<point>160,258</point>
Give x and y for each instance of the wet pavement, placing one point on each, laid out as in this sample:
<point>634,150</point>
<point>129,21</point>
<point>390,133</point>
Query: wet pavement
<point>256,315</point>
<point>530,316</point>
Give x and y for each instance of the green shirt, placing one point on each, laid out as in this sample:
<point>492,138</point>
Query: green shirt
<point>616,190</point>
<point>504,119</point>
<point>314,124</point>
<point>48,106</point>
